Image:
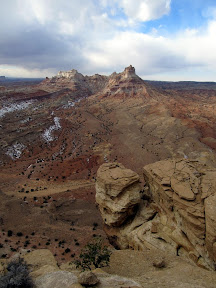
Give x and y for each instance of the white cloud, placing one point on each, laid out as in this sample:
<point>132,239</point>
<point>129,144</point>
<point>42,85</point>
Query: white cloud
<point>96,36</point>
<point>145,10</point>
<point>17,71</point>
<point>153,54</point>
<point>209,12</point>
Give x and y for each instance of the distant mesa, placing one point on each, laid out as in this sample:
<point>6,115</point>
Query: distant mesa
<point>121,85</point>
<point>70,74</point>
<point>2,78</point>
<point>129,72</point>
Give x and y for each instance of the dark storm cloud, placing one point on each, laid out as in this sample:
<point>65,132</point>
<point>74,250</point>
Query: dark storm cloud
<point>27,41</point>
<point>40,49</point>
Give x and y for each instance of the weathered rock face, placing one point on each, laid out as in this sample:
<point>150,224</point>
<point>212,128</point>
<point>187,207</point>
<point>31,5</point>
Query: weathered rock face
<point>56,279</point>
<point>117,193</point>
<point>72,74</point>
<point>129,72</point>
<point>181,215</point>
<point>125,85</point>
<point>41,262</point>
<point>82,85</point>
<point>184,191</point>
<point>40,257</point>
<point>88,278</point>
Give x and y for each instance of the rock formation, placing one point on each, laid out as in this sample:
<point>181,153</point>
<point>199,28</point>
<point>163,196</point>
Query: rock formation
<point>87,278</point>
<point>177,211</point>
<point>126,83</point>
<point>72,74</point>
<point>84,85</point>
<point>118,193</point>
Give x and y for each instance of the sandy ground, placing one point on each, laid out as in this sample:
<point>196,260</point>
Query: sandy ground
<point>177,272</point>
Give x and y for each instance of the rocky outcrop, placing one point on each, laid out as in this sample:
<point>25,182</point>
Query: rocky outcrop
<point>72,74</point>
<point>118,193</point>
<point>56,279</point>
<point>124,84</point>
<point>76,82</point>
<point>46,273</point>
<point>180,216</point>
<point>39,258</point>
<point>129,72</point>
<point>88,278</point>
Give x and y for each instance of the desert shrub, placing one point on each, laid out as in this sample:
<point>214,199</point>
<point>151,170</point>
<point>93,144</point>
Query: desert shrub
<point>17,275</point>
<point>10,233</point>
<point>67,250</point>
<point>94,254</point>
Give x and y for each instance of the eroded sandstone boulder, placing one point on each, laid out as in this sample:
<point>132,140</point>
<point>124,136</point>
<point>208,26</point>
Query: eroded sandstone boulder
<point>41,262</point>
<point>180,216</point>
<point>88,278</point>
<point>117,193</point>
<point>39,258</point>
<point>58,279</point>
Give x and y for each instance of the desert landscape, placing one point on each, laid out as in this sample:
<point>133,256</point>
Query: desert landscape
<point>56,133</point>
<point>107,144</point>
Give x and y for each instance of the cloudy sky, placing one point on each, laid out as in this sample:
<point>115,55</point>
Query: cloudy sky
<point>163,39</point>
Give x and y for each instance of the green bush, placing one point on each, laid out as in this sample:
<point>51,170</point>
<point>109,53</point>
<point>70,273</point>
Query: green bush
<point>94,254</point>
<point>17,275</point>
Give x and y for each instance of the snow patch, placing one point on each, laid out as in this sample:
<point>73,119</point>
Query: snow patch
<point>48,133</point>
<point>26,120</point>
<point>14,107</point>
<point>15,151</point>
<point>72,103</point>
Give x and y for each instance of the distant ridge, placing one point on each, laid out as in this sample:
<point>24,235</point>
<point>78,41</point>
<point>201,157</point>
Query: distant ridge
<point>121,85</point>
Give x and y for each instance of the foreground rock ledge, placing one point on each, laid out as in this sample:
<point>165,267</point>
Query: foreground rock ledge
<point>180,217</point>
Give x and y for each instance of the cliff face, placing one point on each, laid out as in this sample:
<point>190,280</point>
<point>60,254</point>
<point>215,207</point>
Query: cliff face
<point>176,213</point>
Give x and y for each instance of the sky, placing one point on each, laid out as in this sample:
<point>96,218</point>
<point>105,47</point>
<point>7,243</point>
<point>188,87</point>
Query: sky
<point>171,40</point>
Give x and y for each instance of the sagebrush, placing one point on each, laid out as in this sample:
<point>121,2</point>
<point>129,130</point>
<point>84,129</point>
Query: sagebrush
<point>94,254</point>
<point>17,275</point>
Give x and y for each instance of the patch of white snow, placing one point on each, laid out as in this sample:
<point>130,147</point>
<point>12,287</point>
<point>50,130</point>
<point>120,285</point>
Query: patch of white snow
<point>48,133</point>
<point>15,151</point>
<point>14,107</point>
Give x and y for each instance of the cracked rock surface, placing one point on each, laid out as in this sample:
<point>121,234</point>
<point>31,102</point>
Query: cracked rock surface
<point>118,193</point>
<point>179,217</point>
